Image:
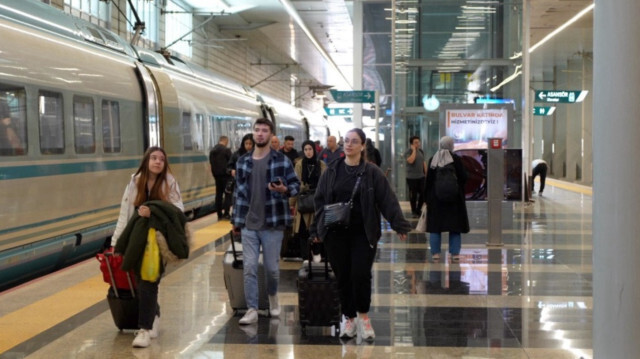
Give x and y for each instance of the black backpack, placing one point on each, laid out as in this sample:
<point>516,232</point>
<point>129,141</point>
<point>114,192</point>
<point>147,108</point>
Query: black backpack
<point>446,183</point>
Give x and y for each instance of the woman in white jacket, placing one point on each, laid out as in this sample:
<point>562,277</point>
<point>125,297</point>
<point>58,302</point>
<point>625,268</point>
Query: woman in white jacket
<point>152,181</point>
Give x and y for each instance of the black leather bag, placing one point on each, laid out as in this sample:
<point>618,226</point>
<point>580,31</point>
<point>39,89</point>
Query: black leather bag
<point>305,202</point>
<point>231,185</point>
<point>338,215</point>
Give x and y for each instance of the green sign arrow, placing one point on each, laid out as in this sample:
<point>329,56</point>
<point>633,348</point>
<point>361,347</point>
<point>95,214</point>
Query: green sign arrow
<point>354,96</point>
<point>560,96</point>
<point>543,110</point>
<point>338,111</point>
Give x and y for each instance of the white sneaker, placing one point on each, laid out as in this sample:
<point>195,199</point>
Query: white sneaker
<point>274,307</point>
<point>365,329</point>
<point>350,329</point>
<point>317,258</point>
<point>153,333</point>
<point>142,339</point>
<point>250,317</point>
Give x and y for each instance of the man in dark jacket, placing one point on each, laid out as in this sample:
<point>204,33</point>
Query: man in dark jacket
<point>218,158</point>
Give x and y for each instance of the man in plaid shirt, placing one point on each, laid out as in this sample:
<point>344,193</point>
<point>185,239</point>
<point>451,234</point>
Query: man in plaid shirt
<point>265,180</point>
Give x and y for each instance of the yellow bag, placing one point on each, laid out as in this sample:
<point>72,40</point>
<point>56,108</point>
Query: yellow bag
<point>150,270</point>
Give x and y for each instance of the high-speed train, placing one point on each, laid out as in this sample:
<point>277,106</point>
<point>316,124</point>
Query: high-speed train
<point>83,105</point>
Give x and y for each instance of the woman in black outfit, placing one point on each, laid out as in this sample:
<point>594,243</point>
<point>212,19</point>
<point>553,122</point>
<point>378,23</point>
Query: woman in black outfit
<point>245,146</point>
<point>351,250</point>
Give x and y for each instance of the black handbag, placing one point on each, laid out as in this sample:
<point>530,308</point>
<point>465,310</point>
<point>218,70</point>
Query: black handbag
<point>231,185</point>
<point>338,215</point>
<point>305,201</point>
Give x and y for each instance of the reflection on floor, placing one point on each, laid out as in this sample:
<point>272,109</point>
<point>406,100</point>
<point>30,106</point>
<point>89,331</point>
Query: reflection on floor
<point>531,298</point>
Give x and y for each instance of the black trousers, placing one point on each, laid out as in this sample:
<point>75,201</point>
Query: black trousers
<point>351,258</point>
<point>540,169</point>
<point>416,194</point>
<point>148,306</point>
<point>222,204</point>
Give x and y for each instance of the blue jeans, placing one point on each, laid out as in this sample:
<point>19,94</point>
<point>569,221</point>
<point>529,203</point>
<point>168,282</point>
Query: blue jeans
<point>271,241</point>
<point>455,242</point>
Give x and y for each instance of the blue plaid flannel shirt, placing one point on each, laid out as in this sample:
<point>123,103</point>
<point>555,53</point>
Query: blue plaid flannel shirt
<point>277,212</point>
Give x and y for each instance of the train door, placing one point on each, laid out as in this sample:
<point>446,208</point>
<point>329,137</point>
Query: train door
<point>307,131</point>
<point>152,127</point>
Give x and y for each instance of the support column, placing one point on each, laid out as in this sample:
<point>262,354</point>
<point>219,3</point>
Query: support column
<point>616,170</point>
<point>574,122</point>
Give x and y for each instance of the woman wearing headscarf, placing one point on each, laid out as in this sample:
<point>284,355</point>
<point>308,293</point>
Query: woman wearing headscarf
<point>446,215</point>
<point>308,171</point>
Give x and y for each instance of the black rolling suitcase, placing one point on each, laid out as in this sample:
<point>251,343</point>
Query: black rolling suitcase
<point>123,303</point>
<point>318,297</point>
<point>232,268</point>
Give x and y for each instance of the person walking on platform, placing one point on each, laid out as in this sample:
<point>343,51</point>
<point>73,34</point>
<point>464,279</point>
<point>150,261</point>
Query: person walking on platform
<point>446,210</point>
<point>332,151</point>
<point>539,168</point>
<point>308,171</point>
<point>351,250</point>
<point>245,146</point>
<point>288,149</point>
<point>275,143</point>
<point>416,170</point>
<point>265,179</point>
<point>218,158</point>
<point>373,155</point>
<point>152,183</point>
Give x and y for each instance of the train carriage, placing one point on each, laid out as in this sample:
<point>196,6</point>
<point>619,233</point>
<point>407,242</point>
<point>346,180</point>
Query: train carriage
<point>84,105</point>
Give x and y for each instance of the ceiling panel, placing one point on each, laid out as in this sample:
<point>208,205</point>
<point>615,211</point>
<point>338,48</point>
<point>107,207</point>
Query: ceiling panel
<point>330,22</point>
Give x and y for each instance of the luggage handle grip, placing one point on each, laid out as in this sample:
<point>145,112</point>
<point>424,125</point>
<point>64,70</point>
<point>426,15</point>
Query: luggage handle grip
<point>326,263</point>
<point>233,250</point>
<point>113,281</point>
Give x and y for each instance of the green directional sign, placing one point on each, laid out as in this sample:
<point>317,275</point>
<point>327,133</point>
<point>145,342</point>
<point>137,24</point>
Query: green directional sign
<point>353,96</point>
<point>335,111</point>
<point>543,110</point>
<point>560,96</point>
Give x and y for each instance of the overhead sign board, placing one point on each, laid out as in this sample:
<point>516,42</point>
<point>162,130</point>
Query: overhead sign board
<point>335,111</point>
<point>543,110</point>
<point>560,96</point>
<point>353,96</point>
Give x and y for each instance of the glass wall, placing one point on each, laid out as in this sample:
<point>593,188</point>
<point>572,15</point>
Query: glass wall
<point>455,51</point>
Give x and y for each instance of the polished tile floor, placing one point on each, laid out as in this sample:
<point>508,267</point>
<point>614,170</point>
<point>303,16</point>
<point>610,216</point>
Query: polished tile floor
<point>530,298</point>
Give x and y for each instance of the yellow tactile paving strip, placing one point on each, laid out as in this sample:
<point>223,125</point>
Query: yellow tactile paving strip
<point>29,321</point>
<point>574,187</point>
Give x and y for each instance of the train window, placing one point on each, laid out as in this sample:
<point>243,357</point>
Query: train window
<point>186,131</point>
<point>198,132</point>
<point>13,121</point>
<point>111,126</point>
<point>51,122</point>
<point>84,124</point>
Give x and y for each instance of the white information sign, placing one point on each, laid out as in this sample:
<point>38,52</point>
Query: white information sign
<point>471,128</point>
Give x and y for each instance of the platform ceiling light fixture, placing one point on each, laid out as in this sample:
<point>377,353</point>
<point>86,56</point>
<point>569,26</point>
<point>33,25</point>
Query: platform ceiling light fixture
<point>541,42</point>
<point>296,17</point>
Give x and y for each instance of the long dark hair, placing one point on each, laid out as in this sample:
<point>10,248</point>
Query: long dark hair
<point>242,150</point>
<point>159,191</point>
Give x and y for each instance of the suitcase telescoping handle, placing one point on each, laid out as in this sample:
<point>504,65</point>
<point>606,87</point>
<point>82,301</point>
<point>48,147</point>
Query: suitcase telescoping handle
<point>113,281</point>
<point>236,263</point>
<point>326,262</point>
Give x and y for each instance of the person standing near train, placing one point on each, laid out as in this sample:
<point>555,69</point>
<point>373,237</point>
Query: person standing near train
<point>351,250</point>
<point>152,181</point>
<point>265,179</point>
<point>218,158</point>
